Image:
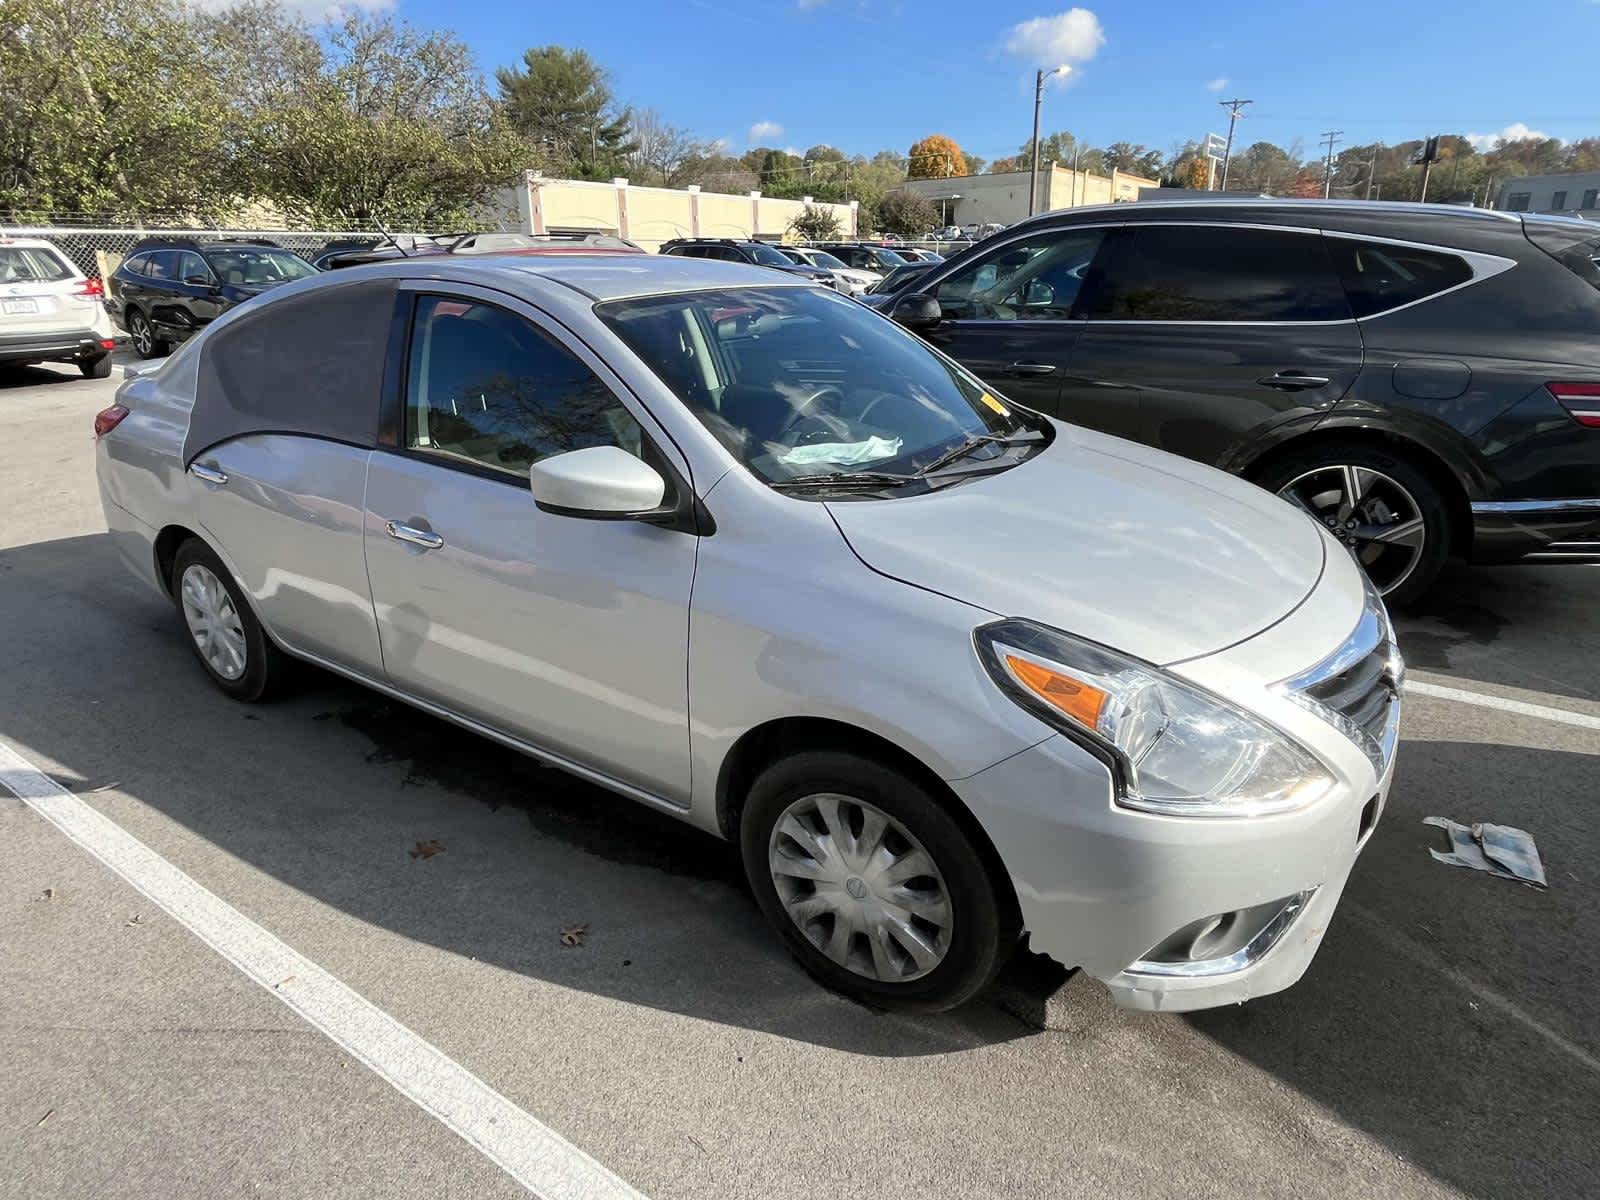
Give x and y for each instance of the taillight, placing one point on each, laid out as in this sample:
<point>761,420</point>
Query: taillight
<point>1582,400</point>
<point>90,287</point>
<point>108,419</point>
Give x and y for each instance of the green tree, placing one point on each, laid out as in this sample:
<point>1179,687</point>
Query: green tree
<point>1063,149</point>
<point>1133,159</point>
<point>815,224</point>
<point>110,110</point>
<point>906,214</point>
<point>935,157</point>
<point>378,121</point>
<point>561,102</point>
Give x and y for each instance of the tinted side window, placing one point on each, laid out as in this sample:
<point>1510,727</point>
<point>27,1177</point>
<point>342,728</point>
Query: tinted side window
<point>162,264</point>
<point>192,266</point>
<point>485,387</point>
<point>1037,279</point>
<point>1378,276</point>
<point>136,264</point>
<point>1216,273</point>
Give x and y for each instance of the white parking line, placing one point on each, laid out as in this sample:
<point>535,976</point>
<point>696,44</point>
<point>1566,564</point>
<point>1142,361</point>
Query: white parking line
<point>1483,700</point>
<point>535,1156</point>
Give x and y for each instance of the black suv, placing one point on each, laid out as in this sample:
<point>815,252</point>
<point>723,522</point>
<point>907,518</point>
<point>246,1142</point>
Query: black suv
<point>1422,380</point>
<point>759,254</point>
<point>864,256</point>
<point>167,288</point>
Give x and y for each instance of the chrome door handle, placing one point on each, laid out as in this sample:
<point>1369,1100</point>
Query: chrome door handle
<point>1294,381</point>
<point>1030,368</point>
<point>402,532</point>
<point>209,474</point>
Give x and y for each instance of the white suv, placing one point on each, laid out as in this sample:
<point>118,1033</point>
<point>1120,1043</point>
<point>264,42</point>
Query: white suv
<point>50,311</point>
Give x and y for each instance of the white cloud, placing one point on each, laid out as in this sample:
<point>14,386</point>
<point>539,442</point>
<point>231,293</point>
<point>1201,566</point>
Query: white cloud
<point>1514,132</point>
<point>762,130</point>
<point>1069,37</point>
<point>1217,84</point>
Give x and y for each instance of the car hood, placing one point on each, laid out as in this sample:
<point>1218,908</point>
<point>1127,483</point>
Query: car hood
<point>856,274</point>
<point>1151,554</point>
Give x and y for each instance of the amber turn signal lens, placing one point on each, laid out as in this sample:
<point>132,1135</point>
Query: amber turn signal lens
<point>1077,699</point>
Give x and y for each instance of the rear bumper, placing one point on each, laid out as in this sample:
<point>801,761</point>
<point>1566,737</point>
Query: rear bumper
<point>55,345</point>
<point>1536,530</point>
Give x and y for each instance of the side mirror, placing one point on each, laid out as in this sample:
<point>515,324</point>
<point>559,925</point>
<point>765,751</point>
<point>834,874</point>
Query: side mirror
<point>916,311</point>
<point>198,280</point>
<point>601,483</point>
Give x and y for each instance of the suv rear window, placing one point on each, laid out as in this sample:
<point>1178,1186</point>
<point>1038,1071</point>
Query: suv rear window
<point>1216,273</point>
<point>1578,250</point>
<point>31,264</point>
<point>1379,276</point>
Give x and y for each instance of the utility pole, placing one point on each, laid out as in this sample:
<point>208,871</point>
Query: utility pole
<point>1330,136</point>
<point>1372,171</point>
<point>1039,77</point>
<point>1235,110</point>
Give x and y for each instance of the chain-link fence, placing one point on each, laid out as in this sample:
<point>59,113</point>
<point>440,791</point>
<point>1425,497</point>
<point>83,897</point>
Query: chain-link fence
<point>98,251</point>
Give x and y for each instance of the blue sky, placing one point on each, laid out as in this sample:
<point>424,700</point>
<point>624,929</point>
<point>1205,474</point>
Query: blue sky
<point>869,74</point>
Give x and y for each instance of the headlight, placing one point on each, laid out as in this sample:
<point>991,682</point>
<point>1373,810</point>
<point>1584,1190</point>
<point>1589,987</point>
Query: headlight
<point>1175,748</point>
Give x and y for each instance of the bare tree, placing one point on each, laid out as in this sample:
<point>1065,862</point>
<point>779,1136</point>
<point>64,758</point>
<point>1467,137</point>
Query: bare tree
<point>661,149</point>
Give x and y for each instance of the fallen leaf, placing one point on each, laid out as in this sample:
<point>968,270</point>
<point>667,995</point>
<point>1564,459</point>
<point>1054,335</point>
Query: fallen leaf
<point>44,1118</point>
<point>425,849</point>
<point>47,894</point>
<point>572,935</point>
<point>136,919</point>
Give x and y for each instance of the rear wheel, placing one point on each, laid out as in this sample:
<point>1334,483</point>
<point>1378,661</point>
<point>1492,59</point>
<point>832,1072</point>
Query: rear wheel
<point>96,368</point>
<point>143,334</point>
<point>223,631</point>
<point>1387,512</point>
<point>873,884</point>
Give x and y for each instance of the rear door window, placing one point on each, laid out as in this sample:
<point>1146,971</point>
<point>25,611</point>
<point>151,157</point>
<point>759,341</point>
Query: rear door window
<point>163,264</point>
<point>1206,273</point>
<point>1379,276</point>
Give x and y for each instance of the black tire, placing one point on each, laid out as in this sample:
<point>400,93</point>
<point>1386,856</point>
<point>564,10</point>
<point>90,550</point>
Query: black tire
<point>143,335</point>
<point>983,931</point>
<point>1402,470</point>
<point>96,368</point>
<point>264,662</point>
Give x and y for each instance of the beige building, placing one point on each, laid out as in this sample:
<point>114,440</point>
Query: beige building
<point>652,215</point>
<point>1002,198</point>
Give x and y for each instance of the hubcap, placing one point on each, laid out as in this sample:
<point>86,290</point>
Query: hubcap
<point>1376,518</point>
<point>213,621</point>
<point>141,335</point>
<point>860,887</point>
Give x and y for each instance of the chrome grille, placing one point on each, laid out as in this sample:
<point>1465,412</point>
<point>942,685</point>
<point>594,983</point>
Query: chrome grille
<point>1357,687</point>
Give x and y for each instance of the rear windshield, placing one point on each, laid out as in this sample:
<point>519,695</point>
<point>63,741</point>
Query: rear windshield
<point>31,264</point>
<point>1577,249</point>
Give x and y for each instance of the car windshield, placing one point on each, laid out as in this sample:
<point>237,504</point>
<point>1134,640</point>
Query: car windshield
<point>799,382</point>
<point>821,258</point>
<point>887,259</point>
<point>768,256</point>
<point>31,264</point>
<point>258,266</point>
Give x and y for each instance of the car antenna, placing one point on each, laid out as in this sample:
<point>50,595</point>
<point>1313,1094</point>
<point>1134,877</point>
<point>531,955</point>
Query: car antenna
<point>393,241</point>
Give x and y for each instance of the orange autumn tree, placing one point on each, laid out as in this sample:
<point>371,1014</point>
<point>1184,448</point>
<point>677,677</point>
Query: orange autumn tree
<point>935,157</point>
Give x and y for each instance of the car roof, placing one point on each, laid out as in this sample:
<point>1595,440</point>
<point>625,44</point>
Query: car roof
<point>597,276</point>
<point>29,243</point>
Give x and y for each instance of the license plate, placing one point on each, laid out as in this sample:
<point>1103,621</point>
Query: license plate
<point>14,307</point>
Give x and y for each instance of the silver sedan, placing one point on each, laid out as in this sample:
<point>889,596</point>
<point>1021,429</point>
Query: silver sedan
<point>947,671</point>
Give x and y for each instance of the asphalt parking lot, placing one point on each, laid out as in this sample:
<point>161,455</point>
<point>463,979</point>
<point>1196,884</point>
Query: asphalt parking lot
<point>1444,1042</point>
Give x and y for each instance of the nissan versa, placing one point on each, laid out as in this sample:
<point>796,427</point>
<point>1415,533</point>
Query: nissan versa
<point>948,672</point>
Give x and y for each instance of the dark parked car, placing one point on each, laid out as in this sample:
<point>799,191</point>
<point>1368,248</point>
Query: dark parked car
<point>916,254</point>
<point>760,254</point>
<point>864,256</point>
<point>1423,380</point>
<point>166,288</point>
<point>895,282</point>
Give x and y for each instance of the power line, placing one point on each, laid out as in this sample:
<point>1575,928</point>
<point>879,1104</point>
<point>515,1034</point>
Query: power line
<point>1235,111</point>
<point>1330,136</point>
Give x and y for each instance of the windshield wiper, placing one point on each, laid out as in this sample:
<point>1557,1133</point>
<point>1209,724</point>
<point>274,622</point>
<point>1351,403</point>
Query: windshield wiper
<point>841,480</point>
<point>971,444</point>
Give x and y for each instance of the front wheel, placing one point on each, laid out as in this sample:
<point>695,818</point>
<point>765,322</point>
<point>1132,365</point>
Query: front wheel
<point>1385,510</point>
<point>872,882</point>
